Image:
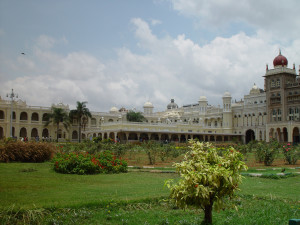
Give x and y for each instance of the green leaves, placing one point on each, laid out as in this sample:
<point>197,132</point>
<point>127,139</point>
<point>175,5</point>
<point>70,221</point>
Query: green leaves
<point>135,116</point>
<point>85,163</point>
<point>207,176</point>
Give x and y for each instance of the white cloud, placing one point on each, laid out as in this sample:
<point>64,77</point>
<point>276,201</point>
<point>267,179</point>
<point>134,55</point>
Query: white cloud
<point>171,68</point>
<point>44,41</point>
<point>155,22</point>
<point>280,19</point>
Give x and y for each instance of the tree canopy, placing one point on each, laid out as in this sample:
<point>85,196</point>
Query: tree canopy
<point>208,175</point>
<point>57,116</point>
<point>81,113</point>
<point>135,116</point>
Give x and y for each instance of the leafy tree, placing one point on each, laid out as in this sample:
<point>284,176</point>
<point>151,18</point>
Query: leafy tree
<point>135,116</point>
<point>57,116</point>
<point>207,178</point>
<point>81,113</point>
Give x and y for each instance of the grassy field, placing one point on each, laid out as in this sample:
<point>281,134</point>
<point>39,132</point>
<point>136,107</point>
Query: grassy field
<point>33,193</point>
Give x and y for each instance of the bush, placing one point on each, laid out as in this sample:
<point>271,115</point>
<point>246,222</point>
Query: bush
<point>207,178</point>
<point>291,153</point>
<point>267,152</point>
<point>85,163</point>
<point>26,151</point>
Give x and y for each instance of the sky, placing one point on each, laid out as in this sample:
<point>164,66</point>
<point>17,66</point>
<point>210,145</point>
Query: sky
<point>125,53</point>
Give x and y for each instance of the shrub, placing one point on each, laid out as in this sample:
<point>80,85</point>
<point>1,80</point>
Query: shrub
<point>26,151</point>
<point>291,153</point>
<point>85,163</point>
<point>267,152</point>
<point>207,178</point>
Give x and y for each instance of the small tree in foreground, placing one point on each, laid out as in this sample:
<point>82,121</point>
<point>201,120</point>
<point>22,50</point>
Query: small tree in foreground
<point>207,178</point>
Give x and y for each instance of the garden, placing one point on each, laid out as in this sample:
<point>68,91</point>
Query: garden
<point>103,182</point>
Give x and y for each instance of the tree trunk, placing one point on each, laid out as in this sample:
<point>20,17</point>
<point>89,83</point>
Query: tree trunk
<point>57,132</point>
<point>79,130</point>
<point>208,214</point>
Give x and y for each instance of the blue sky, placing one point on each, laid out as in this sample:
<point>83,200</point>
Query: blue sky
<point>124,53</point>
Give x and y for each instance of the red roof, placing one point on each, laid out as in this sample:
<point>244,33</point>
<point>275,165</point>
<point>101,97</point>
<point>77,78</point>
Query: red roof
<point>280,60</point>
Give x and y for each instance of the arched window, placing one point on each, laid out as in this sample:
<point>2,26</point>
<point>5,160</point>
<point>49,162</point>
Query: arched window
<point>45,133</point>
<point>34,132</point>
<point>1,115</point>
<point>23,116</point>
<point>23,132</point>
<point>35,117</point>
<point>14,115</point>
<point>74,135</point>
<point>1,133</point>
<point>45,117</point>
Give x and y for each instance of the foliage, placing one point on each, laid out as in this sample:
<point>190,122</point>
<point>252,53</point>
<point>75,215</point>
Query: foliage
<point>207,178</point>
<point>267,152</point>
<point>85,163</point>
<point>152,150</point>
<point>26,151</point>
<point>133,116</point>
<point>81,113</point>
<point>57,116</point>
<point>266,210</point>
<point>291,153</point>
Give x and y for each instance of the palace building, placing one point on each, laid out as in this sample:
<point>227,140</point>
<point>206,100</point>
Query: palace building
<point>262,114</point>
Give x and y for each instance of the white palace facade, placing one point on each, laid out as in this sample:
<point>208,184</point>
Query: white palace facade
<point>263,114</point>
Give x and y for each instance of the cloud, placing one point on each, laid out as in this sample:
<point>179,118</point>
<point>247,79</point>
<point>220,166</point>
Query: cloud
<point>282,20</point>
<point>155,22</point>
<point>171,67</point>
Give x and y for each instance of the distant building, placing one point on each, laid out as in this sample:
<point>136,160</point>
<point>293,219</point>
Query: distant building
<point>263,114</point>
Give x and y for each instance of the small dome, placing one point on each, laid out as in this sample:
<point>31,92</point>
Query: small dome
<point>113,110</point>
<point>254,90</point>
<point>172,105</point>
<point>227,94</point>
<point>202,99</point>
<point>280,60</point>
<point>148,105</point>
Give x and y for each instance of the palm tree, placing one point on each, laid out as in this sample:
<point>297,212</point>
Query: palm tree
<point>81,113</point>
<point>58,115</point>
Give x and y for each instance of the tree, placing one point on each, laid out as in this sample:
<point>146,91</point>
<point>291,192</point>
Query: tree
<point>57,116</point>
<point>135,116</point>
<point>81,113</point>
<point>208,176</point>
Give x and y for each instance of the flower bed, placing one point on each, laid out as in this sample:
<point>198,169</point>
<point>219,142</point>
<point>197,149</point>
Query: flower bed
<point>85,163</point>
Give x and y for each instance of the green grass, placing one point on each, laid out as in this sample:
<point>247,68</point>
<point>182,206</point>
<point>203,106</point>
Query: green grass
<point>33,193</point>
<point>45,188</point>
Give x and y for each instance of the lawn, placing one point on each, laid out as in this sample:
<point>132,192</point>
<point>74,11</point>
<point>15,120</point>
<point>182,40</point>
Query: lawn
<point>34,193</point>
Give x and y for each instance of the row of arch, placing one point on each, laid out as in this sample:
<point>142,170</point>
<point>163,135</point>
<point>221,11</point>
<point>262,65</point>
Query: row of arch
<point>134,136</point>
<point>23,132</point>
<point>24,116</point>
<point>281,135</point>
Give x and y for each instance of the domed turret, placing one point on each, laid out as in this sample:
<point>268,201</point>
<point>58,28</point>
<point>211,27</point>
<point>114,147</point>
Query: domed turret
<point>113,110</point>
<point>280,61</point>
<point>254,90</point>
<point>202,99</point>
<point>148,105</point>
<point>226,94</point>
<point>172,105</point>
<point>148,108</point>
